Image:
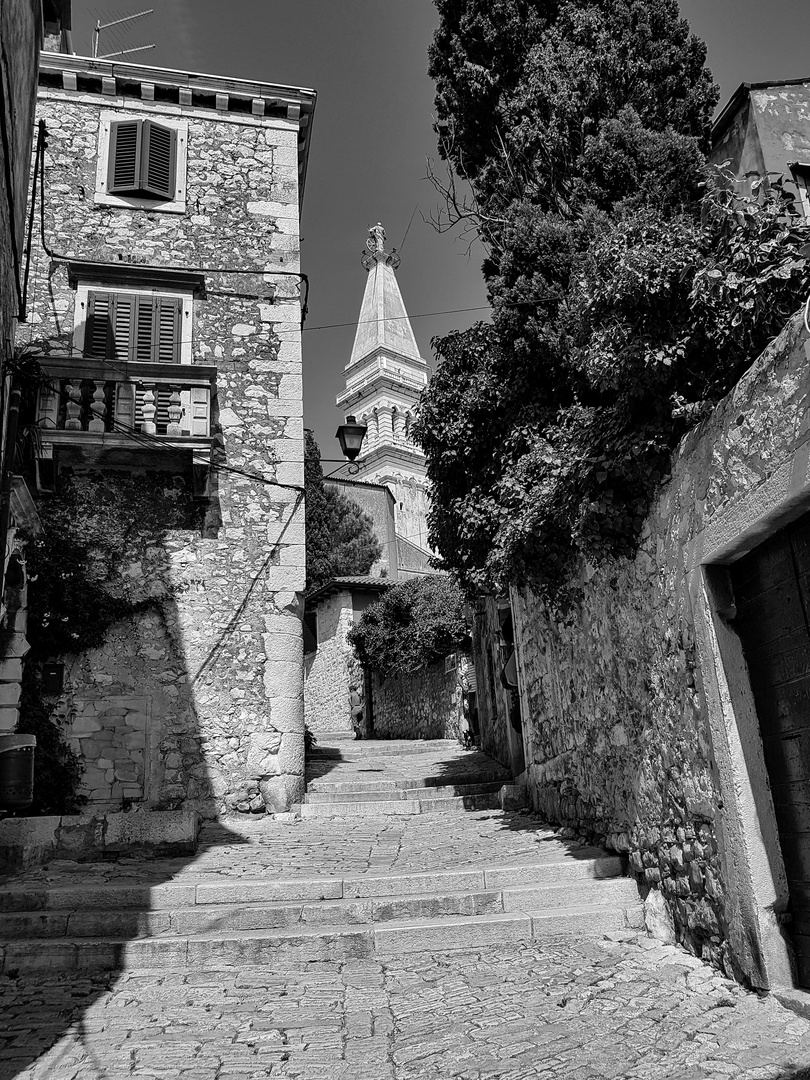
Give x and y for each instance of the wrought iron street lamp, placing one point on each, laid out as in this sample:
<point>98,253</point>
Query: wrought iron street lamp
<point>350,436</point>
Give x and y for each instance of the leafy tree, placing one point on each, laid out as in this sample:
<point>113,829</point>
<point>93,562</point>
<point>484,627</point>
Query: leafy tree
<point>413,624</point>
<point>340,538</point>
<point>631,283</point>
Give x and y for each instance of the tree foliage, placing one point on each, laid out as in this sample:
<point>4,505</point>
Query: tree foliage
<point>413,624</point>
<point>631,283</point>
<point>340,537</point>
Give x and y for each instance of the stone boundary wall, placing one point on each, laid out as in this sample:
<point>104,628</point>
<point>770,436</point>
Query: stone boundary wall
<point>631,736</point>
<point>425,705</point>
<point>327,705</point>
<point>95,837</point>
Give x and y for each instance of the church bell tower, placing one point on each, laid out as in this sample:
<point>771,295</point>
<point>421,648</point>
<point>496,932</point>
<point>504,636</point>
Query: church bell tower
<point>384,378</point>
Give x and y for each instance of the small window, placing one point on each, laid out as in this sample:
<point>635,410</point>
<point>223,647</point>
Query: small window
<point>135,327</point>
<point>142,159</point>
<point>801,175</point>
<point>142,162</point>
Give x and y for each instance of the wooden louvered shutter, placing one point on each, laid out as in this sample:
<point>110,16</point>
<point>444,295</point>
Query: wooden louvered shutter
<point>143,350</point>
<point>109,330</point>
<point>123,174</point>
<point>168,330</point>
<point>158,160</point>
<point>97,331</point>
<point>196,403</point>
<point>122,324</point>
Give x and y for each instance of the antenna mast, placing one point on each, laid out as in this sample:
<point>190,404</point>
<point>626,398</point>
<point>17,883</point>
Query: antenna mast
<point>116,22</point>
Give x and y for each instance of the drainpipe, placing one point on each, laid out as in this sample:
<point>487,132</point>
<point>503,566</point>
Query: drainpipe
<point>5,491</point>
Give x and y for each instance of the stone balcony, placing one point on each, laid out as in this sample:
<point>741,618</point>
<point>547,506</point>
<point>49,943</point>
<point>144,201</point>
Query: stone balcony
<point>91,411</point>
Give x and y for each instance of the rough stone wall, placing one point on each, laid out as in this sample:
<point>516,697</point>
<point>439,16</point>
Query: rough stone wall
<point>222,665</point>
<point>327,705</point>
<point>425,705</point>
<point>619,744</point>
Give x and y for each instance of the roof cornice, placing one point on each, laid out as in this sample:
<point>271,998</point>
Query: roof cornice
<point>189,90</point>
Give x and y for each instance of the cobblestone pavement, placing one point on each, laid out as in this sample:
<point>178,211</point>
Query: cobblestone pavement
<point>623,1007</point>
<point>266,847</point>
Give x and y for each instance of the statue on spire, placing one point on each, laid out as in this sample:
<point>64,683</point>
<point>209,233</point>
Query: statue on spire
<point>377,238</point>
<point>375,249</point>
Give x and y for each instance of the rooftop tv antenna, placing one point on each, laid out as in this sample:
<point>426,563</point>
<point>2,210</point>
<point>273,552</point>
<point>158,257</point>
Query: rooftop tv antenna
<point>117,22</point>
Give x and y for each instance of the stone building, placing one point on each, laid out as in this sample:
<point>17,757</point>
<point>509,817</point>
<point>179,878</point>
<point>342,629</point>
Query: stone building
<point>25,26</point>
<point>336,690</point>
<point>664,713</point>
<point>764,131</point>
<point>166,430</point>
<point>384,377</point>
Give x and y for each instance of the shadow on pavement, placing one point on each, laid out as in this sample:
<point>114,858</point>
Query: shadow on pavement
<point>39,1003</point>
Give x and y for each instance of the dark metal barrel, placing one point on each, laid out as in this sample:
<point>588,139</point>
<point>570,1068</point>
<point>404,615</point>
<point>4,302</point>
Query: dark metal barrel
<point>16,772</point>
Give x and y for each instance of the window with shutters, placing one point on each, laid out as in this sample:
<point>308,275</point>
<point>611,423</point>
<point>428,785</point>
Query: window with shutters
<point>142,162</point>
<point>119,325</point>
<point>133,327</point>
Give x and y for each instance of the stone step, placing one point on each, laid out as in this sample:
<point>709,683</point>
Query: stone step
<point>361,749</point>
<point>491,776</point>
<point>235,918</point>
<point>370,807</point>
<point>260,947</point>
<point>363,794</point>
<point>583,864</point>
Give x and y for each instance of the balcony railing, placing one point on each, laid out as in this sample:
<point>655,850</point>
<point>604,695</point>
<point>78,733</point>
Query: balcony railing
<point>174,410</point>
<point>80,397</point>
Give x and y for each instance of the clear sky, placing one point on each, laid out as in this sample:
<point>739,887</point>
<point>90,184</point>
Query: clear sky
<point>372,132</point>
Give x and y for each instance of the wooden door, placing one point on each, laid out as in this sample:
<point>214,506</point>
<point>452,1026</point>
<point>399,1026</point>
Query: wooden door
<point>772,596</point>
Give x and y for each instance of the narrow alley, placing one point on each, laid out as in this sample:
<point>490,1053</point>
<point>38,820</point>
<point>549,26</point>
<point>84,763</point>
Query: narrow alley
<point>402,927</point>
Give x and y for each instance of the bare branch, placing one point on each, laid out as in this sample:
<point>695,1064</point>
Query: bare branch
<point>461,210</point>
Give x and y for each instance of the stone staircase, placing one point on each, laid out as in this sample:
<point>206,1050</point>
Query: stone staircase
<point>399,777</point>
<point>393,854</point>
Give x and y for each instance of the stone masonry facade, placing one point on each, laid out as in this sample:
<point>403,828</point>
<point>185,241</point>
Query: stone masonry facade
<point>427,704</point>
<point>327,670</point>
<point>620,729</point>
<point>197,700</point>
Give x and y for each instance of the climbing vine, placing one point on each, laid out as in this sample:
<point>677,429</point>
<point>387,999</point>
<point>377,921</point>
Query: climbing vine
<point>96,561</point>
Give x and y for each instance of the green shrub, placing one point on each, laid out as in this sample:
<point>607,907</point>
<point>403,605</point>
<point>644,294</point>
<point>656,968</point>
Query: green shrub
<point>413,624</point>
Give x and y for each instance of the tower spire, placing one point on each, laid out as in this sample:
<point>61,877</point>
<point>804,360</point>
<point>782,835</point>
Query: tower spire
<point>384,377</point>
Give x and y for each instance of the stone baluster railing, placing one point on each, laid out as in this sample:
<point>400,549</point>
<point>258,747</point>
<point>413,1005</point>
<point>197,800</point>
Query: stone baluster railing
<point>98,408</point>
<point>149,427</point>
<point>73,407</point>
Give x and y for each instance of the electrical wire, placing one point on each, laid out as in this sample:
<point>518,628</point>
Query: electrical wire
<point>264,271</point>
<point>151,442</point>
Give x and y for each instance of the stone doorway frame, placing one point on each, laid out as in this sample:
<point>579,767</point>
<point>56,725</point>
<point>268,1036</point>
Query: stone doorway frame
<point>748,836</point>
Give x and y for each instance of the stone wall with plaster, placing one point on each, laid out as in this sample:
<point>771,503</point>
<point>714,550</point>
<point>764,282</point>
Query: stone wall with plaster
<point>327,704</point>
<point>627,740</point>
<point>206,683</point>
<point>429,704</point>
